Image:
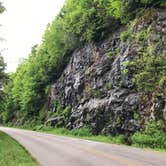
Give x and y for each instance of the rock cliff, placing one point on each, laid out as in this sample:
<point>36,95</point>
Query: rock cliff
<point>101,94</point>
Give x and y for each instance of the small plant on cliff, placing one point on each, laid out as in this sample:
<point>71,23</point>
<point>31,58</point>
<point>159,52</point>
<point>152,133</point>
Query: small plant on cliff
<point>142,36</point>
<point>108,86</point>
<point>125,35</point>
<point>90,92</point>
<point>60,111</point>
<point>110,54</point>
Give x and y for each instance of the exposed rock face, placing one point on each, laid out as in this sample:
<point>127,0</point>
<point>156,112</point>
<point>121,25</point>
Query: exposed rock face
<point>97,87</point>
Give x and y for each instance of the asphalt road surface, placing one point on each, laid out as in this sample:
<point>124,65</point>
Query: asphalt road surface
<point>52,150</point>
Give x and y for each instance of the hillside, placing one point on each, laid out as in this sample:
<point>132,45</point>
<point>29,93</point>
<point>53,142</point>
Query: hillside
<point>101,65</point>
<point>108,87</point>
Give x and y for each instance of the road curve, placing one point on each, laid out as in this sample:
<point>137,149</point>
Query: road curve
<point>51,150</point>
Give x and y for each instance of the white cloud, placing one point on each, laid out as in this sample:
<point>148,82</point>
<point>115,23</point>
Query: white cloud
<point>24,23</point>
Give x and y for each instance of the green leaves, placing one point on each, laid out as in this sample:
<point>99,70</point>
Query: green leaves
<point>153,137</point>
<point>2,8</point>
<point>2,83</point>
<point>2,73</point>
<point>78,22</point>
<point>87,20</point>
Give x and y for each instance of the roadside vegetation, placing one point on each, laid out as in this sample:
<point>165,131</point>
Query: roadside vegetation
<point>83,133</point>
<point>151,138</point>
<point>13,154</point>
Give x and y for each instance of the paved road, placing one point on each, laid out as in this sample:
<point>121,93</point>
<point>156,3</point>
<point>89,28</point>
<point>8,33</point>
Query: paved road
<point>51,150</point>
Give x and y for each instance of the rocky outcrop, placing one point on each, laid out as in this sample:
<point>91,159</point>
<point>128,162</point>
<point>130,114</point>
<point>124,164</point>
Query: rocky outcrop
<point>96,86</point>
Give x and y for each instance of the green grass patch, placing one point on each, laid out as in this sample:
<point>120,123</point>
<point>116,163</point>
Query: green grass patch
<point>149,139</point>
<point>83,133</point>
<point>152,137</point>
<point>13,154</point>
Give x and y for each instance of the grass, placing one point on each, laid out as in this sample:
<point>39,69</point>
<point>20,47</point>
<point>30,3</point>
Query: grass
<point>153,137</point>
<point>13,154</point>
<point>83,133</point>
<point>138,139</point>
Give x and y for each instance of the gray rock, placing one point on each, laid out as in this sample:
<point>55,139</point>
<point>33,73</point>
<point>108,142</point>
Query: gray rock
<point>101,93</point>
<point>57,121</point>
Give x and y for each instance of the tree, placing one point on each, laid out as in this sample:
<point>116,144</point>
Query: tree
<point>2,8</point>
<point>2,73</point>
<point>2,64</point>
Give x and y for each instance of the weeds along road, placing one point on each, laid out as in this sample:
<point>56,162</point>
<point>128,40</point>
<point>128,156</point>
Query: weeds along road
<point>52,150</point>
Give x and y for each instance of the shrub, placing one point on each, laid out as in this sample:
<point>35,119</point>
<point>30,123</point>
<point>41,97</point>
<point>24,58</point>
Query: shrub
<point>82,132</point>
<point>152,137</point>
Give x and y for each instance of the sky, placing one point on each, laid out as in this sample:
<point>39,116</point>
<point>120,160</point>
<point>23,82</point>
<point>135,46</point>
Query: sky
<point>23,25</point>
